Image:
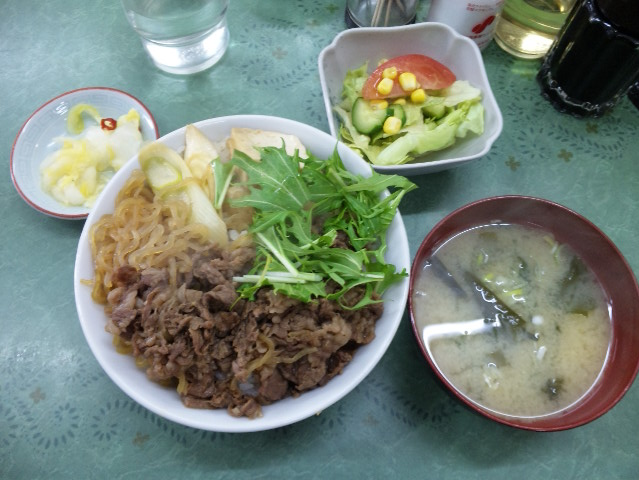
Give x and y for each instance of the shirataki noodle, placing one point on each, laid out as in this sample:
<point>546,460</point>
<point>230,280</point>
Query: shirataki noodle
<point>143,233</point>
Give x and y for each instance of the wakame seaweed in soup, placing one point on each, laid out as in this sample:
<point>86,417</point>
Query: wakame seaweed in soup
<point>514,320</point>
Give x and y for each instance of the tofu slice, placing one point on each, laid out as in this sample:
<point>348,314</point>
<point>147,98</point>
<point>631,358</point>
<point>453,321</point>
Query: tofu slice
<point>246,140</point>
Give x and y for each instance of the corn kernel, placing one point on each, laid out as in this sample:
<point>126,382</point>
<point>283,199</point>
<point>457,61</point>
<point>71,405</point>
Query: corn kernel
<point>418,96</point>
<point>378,104</point>
<point>392,125</point>
<point>408,81</point>
<point>390,72</point>
<point>385,86</point>
<point>400,101</point>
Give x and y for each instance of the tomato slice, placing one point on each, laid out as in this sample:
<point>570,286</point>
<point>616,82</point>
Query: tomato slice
<point>430,74</point>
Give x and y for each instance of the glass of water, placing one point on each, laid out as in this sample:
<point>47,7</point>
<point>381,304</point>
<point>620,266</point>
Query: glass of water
<point>180,36</point>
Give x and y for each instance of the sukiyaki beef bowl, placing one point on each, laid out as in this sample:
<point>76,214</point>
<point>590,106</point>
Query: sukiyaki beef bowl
<point>231,278</point>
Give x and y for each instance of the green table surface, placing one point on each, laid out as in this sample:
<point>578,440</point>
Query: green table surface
<point>62,417</point>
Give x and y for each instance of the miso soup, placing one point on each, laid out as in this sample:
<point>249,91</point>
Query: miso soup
<point>514,320</point>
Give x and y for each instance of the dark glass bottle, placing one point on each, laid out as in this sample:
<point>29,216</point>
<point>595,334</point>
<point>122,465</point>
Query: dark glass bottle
<point>633,94</point>
<point>595,59</point>
<point>623,14</point>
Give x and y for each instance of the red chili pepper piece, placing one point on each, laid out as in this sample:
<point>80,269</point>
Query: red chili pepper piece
<point>108,124</point>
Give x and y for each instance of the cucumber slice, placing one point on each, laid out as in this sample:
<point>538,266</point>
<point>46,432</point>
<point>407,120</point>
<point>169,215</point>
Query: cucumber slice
<point>396,110</point>
<point>435,110</point>
<point>366,119</point>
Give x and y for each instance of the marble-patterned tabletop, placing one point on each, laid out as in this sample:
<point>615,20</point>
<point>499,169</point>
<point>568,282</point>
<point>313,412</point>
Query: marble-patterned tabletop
<point>62,417</point>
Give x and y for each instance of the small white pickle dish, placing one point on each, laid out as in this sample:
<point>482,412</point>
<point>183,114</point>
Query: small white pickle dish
<point>37,139</point>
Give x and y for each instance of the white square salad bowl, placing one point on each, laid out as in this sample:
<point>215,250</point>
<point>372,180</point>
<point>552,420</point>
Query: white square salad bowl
<point>352,48</point>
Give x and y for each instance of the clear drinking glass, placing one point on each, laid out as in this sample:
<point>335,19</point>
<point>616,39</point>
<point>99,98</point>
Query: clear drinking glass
<point>180,36</point>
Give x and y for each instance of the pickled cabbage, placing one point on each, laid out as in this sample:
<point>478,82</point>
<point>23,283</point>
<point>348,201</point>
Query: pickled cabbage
<point>76,173</point>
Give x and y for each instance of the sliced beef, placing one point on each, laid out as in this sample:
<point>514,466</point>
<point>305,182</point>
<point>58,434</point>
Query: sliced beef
<point>224,352</point>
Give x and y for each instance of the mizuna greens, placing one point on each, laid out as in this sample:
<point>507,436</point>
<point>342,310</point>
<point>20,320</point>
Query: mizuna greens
<point>301,205</point>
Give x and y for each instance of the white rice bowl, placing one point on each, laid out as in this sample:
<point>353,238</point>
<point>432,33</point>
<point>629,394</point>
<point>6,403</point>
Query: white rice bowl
<point>166,402</point>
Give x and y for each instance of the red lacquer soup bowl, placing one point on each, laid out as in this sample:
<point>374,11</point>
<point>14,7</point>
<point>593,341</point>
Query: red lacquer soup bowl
<point>602,257</point>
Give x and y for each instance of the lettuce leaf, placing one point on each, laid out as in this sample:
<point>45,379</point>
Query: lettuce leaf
<point>420,139</point>
<point>460,91</point>
<point>353,83</point>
